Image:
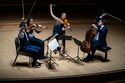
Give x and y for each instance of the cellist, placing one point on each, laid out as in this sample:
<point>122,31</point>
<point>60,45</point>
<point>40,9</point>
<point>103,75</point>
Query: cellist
<point>99,40</point>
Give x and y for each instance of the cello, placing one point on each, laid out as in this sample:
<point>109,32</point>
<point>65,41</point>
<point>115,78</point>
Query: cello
<point>86,45</point>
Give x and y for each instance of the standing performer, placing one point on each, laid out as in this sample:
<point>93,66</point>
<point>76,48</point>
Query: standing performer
<point>100,39</point>
<point>61,25</point>
<point>31,28</point>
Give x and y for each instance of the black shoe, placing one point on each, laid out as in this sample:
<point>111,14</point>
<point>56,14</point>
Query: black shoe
<point>36,64</point>
<point>59,48</point>
<point>91,59</point>
<point>85,60</point>
<point>55,51</point>
<point>109,48</point>
<point>44,57</point>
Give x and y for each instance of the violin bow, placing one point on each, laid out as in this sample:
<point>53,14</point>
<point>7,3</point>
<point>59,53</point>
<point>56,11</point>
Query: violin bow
<point>113,16</point>
<point>31,9</point>
<point>23,9</point>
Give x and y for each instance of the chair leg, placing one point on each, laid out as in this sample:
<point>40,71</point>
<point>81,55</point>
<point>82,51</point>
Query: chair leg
<point>30,62</point>
<point>15,60</point>
<point>106,55</point>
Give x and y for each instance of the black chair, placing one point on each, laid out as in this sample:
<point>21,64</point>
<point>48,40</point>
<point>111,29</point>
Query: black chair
<point>18,51</point>
<point>105,50</point>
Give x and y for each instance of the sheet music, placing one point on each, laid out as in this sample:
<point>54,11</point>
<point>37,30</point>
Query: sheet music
<point>53,45</point>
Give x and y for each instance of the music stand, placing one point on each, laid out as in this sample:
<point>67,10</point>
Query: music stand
<point>64,38</point>
<point>77,58</point>
<point>52,46</point>
<point>47,39</point>
<point>47,52</point>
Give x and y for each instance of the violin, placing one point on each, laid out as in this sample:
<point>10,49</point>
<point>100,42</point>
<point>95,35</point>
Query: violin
<point>65,23</point>
<point>38,28</point>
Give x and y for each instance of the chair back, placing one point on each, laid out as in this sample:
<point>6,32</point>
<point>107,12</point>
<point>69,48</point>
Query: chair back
<point>17,43</point>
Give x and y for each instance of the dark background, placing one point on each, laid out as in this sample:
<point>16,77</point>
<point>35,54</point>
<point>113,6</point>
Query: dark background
<point>74,8</point>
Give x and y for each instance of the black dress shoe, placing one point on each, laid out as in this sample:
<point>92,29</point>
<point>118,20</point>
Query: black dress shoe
<point>109,48</point>
<point>91,59</point>
<point>55,51</point>
<point>36,64</point>
<point>86,60</point>
<point>44,57</point>
<point>59,48</point>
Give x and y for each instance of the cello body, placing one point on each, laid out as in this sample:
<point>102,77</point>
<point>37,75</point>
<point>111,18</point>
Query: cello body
<point>86,45</point>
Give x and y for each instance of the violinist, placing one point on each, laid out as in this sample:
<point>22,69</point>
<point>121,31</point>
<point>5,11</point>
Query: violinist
<point>99,40</point>
<point>61,25</point>
<point>27,47</point>
<point>28,42</point>
<point>31,29</point>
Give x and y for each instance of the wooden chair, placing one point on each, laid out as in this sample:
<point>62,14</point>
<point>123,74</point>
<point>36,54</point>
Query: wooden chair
<point>18,51</point>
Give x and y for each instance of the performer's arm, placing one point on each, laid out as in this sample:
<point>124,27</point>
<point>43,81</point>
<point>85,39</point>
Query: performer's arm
<point>93,25</point>
<point>64,29</point>
<point>68,27</point>
<point>104,14</point>
<point>21,34</point>
<point>51,12</point>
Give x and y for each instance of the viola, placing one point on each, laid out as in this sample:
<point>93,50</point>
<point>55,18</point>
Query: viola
<point>65,23</point>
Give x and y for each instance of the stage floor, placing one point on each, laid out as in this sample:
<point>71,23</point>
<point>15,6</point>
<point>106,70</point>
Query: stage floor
<point>9,30</point>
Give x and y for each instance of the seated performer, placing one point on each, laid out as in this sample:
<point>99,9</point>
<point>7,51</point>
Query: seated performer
<point>31,28</point>
<point>61,25</point>
<point>27,47</point>
<point>100,39</point>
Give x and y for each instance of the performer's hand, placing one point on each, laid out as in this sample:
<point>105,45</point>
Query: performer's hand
<point>34,26</point>
<point>52,5</point>
<point>22,18</point>
<point>63,28</point>
<point>104,14</point>
<point>42,27</point>
<point>93,25</point>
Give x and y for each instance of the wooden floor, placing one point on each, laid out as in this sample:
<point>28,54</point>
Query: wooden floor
<point>8,31</point>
